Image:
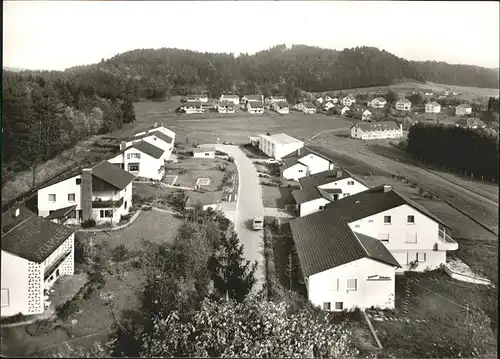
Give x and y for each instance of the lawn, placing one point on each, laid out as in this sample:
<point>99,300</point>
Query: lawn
<point>277,197</point>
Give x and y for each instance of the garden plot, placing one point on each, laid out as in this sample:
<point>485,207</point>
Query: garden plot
<point>203,181</point>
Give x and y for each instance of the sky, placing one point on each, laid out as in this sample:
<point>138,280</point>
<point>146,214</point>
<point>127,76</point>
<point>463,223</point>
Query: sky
<point>54,35</point>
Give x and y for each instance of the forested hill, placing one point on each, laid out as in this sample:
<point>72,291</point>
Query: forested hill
<point>152,73</point>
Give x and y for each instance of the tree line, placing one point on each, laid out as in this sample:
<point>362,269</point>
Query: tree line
<point>468,151</point>
<point>46,113</point>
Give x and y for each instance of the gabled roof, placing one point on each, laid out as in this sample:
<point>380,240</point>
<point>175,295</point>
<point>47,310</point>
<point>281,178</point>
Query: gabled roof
<point>158,134</point>
<point>230,96</point>
<point>376,126</point>
<point>433,103</point>
<point>148,149</point>
<point>193,103</point>
<point>464,105</point>
<point>289,162</point>
<point>113,175</point>
<point>281,103</point>
<point>61,212</point>
<point>226,103</point>
<point>256,104</point>
<point>34,238</point>
<point>308,105</point>
<point>203,150</point>
<point>404,100</point>
<point>380,99</point>
<point>253,97</point>
<point>321,178</point>
<point>350,97</point>
<point>306,194</point>
<point>281,138</point>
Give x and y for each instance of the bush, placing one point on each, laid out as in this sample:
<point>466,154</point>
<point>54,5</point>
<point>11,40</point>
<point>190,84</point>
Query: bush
<point>125,217</point>
<point>17,318</point>
<point>119,253</point>
<point>89,223</point>
<point>39,327</point>
<point>67,309</point>
<point>182,170</point>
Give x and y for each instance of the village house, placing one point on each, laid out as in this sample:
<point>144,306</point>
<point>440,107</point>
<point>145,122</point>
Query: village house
<point>403,105</point>
<point>225,107</point>
<point>304,162</point>
<point>348,100</point>
<point>142,159</point>
<point>234,99</point>
<point>320,100</point>
<point>270,100</point>
<point>306,107</point>
<point>376,130</point>
<point>204,153</point>
<point>197,98</point>
<point>378,102</point>
<point>432,107</point>
<point>366,115</point>
<point>328,105</point>
<point>35,254</point>
<point>192,107</point>
<point>255,107</point>
<point>473,123</point>
<point>463,109</point>
<point>158,128</point>
<point>345,111</point>
<point>321,188</point>
<point>157,138</point>
<point>252,98</point>
<point>335,100</point>
<point>281,107</point>
<point>103,193</point>
<point>350,252</point>
<point>279,145</point>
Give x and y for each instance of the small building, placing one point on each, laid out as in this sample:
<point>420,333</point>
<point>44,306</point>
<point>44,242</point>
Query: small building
<point>197,98</point>
<point>305,162</point>
<point>432,107</point>
<point>35,254</point>
<point>281,107</point>
<point>403,105</point>
<point>157,138</point>
<point>306,107</point>
<point>192,107</point>
<point>234,99</point>
<point>348,100</point>
<point>252,98</point>
<point>212,200</point>
<point>279,145</point>
<point>320,100</point>
<point>225,107</point>
<point>255,107</point>
<point>328,105</point>
<point>366,115</point>
<point>472,123</point>
<point>376,130</point>
<point>378,102</point>
<point>345,111</point>
<point>335,100</point>
<point>463,109</point>
<point>204,153</point>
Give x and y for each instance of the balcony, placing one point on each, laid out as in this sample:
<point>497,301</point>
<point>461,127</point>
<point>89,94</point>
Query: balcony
<point>96,203</point>
<point>446,242</point>
<point>52,267</point>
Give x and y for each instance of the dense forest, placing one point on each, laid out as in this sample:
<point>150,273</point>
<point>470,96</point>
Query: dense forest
<point>466,151</point>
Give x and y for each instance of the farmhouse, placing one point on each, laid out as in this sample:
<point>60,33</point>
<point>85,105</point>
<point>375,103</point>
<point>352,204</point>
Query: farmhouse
<point>281,107</point>
<point>157,139</point>
<point>35,253</point>
<point>472,123</point>
<point>103,193</point>
<point>328,105</point>
<point>234,99</point>
<point>348,100</point>
<point>204,153</point>
<point>403,105</point>
<point>432,107</point>
<point>279,145</point>
<point>378,223</point>
<point>345,110</point>
<point>378,102</point>
<point>366,115</point>
<point>304,162</point>
<point>306,107</point>
<point>142,159</point>
<point>252,98</point>
<point>225,107</point>
<point>324,187</point>
<point>376,130</point>
<point>463,109</point>
<point>192,107</point>
<point>254,107</point>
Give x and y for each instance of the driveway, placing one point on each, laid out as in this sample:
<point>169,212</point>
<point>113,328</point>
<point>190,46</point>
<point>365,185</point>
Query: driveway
<point>248,206</point>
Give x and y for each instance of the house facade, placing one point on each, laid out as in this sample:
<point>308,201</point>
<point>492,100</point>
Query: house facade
<point>35,254</point>
<point>225,107</point>
<point>345,111</point>
<point>252,98</point>
<point>281,107</point>
<point>328,105</point>
<point>378,102</point>
<point>432,107</point>
<point>103,192</point>
<point>376,130</point>
<point>366,115</point>
<point>463,109</point>
<point>192,107</point>
<point>142,160</point>
<point>234,99</point>
<point>255,107</point>
<point>305,163</point>
<point>279,145</point>
<point>204,153</point>
<point>348,100</point>
<point>157,138</point>
<point>320,100</point>
<point>403,105</point>
<point>306,107</point>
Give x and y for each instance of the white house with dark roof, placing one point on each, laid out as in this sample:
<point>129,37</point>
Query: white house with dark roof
<point>142,159</point>
<point>432,107</point>
<point>197,98</point>
<point>225,107</point>
<point>463,109</point>
<point>234,99</point>
<point>345,110</point>
<point>157,139</point>
<point>255,107</point>
<point>204,153</point>
<point>192,107</point>
<point>35,253</point>
<point>279,145</point>
<point>415,238</point>
<point>366,115</point>
<point>348,100</point>
<point>403,105</point>
<point>281,107</point>
<point>306,107</point>
<point>305,162</point>
<point>325,187</point>
<point>103,192</point>
<point>328,105</point>
<point>162,129</point>
<point>376,130</point>
<point>377,102</point>
<point>252,98</point>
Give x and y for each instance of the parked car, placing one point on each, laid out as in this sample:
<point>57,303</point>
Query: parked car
<point>258,223</point>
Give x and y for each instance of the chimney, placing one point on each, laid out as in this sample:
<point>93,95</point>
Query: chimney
<point>16,213</point>
<point>155,125</point>
<point>86,193</point>
<point>387,188</point>
<point>298,151</point>
<point>339,173</point>
<point>123,145</point>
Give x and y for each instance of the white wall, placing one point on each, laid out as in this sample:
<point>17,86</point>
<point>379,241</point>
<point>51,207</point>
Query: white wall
<point>425,228</point>
<point>295,172</point>
<point>360,134</point>
<point>148,165</point>
<point>61,190</point>
<point>322,287</point>
<point>211,154</point>
<point>312,206</point>
<point>126,193</point>
<point>346,188</point>
<point>67,267</point>
<point>315,163</point>
<point>15,277</point>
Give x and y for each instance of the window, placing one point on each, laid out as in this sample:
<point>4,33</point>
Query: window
<point>125,205</point>
<point>50,212</point>
<point>411,238</point>
<point>5,297</point>
<point>339,305</point>
<point>370,221</point>
<point>52,197</point>
<point>326,305</point>
<point>346,195</point>
<point>78,181</point>
<point>133,155</point>
<point>356,226</point>
<point>207,154</point>
<point>410,219</point>
<point>133,167</point>
<point>300,171</point>
<point>352,284</point>
<point>387,219</point>
<point>350,183</point>
<point>421,257</point>
<point>106,213</point>
<point>71,197</point>
<point>384,237</point>
<point>58,273</point>
<point>72,214</point>
<point>321,208</point>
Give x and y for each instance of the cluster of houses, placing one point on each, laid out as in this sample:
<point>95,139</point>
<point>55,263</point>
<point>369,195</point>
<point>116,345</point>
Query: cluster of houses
<point>352,240</point>
<point>38,248</point>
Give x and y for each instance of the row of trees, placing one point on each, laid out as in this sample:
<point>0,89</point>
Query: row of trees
<point>464,150</point>
<point>43,115</point>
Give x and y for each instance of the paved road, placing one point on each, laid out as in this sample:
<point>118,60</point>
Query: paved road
<point>249,206</point>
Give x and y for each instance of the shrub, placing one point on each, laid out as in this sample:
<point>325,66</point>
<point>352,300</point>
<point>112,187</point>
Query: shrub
<point>119,253</point>
<point>125,218</point>
<point>17,318</point>
<point>182,170</point>
<point>39,327</point>
<point>67,309</point>
<point>89,223</point>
